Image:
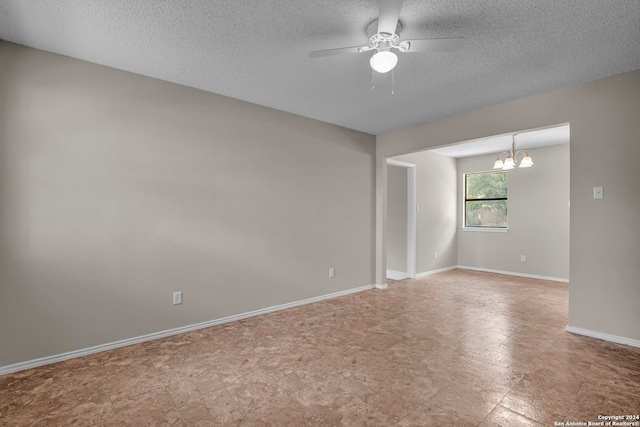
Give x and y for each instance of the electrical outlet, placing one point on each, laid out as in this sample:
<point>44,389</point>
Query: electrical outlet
<point>523,258</point>
<point>435,255</point>
<point>598,193</point>
<point>332,272</point>
<point>177,297</point>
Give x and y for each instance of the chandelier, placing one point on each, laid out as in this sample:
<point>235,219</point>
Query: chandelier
<point>511,160</point>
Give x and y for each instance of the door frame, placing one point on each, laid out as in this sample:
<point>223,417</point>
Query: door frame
<point>411,213</point>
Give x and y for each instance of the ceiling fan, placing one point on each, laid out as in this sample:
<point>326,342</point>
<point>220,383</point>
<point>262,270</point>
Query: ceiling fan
<point>384,35</point>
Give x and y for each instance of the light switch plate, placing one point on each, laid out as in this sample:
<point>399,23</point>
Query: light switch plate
<point>177,297</point>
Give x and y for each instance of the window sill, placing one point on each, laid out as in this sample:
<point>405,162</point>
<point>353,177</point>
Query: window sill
<point>486,229</point>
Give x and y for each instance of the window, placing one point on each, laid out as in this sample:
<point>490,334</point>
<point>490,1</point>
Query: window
<point>485,201</point>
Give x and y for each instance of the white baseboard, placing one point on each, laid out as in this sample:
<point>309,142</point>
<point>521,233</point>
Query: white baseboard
<point>513,273</point>
<point>392,274</point>
<point>397,275</point>
<point>606,337</point>
<point>29,364</point>
<point>439,270</point>
<point>382,286</point>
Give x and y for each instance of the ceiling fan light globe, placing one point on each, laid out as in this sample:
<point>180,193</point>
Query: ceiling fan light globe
<point>383,61</point>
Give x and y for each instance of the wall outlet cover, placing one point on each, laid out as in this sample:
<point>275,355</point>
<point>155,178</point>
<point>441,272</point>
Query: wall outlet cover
<point>598,193</point>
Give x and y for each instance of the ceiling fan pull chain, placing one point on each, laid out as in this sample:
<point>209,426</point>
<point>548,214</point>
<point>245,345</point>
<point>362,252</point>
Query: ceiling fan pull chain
<point>393,82</point>
<point>373,86</point>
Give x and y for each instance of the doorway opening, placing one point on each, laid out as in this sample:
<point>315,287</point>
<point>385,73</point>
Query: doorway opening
<point>401,220</point>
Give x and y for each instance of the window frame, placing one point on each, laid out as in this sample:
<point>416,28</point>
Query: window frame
<point>492,228</point>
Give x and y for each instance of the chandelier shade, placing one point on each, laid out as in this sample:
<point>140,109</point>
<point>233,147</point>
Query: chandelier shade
<point>526,162</point>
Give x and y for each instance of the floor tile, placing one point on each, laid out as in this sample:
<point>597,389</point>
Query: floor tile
<point>154,408</point>
<point>503,417</point>
<point>431,415</point>
<point>458,348</point>
<point>467,403</point>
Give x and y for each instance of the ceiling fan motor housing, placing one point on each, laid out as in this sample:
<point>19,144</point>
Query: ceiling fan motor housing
<point>382,40</point>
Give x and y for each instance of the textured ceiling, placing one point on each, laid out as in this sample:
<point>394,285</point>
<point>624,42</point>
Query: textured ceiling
<point>257,50</point>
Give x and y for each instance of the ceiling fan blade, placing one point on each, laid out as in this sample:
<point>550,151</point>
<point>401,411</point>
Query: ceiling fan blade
<point>434,45</point>
<point>338,51</point>
<point>388,16</point>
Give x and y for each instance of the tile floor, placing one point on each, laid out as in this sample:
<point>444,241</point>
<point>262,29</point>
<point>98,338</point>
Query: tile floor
<point>458,348</point>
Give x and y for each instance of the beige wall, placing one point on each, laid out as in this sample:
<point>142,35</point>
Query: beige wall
<point>604,243</point>
<point>437,201</point>
<point>117,189</point>
<point>538,218</point>
<point>397,219</point>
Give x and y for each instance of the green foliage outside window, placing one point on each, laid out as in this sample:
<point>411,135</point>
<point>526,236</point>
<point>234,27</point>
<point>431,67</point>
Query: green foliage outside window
<point>486,199</point>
